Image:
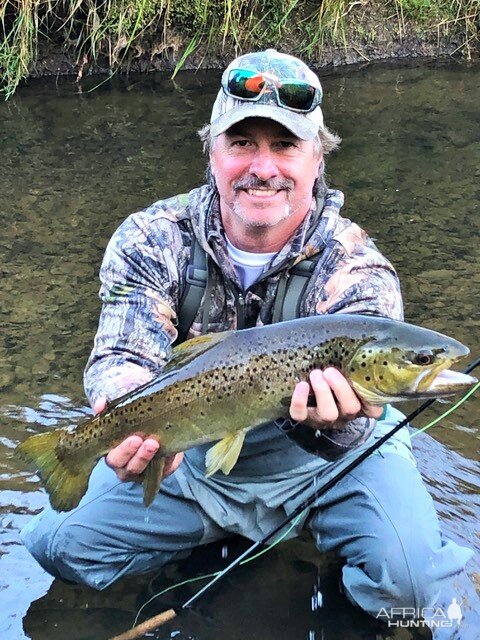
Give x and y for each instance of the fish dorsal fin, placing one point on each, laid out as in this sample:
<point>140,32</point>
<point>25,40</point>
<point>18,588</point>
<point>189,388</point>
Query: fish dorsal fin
<point>224,454</point>
<point>190,349</point>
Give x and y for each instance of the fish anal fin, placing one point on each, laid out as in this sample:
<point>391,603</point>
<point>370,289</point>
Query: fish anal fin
<point>152,478</point>
<point>224,454</point>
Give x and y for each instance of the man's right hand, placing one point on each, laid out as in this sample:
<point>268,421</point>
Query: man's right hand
<point>130,458</point>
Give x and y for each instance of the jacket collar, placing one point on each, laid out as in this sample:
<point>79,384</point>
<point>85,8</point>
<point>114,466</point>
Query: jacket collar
<point>311,236</point>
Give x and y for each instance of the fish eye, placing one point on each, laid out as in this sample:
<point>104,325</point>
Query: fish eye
<point>423,358</point>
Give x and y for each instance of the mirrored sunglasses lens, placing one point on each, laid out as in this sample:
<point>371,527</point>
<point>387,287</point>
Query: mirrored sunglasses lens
<point>245,84</point>
<point>296,96</point>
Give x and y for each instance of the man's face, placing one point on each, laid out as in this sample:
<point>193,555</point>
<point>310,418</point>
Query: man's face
<point>264,175</point>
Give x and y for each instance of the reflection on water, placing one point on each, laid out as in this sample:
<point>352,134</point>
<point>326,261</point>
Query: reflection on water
<point>75,165</point>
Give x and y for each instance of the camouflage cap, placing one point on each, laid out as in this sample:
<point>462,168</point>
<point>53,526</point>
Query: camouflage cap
<point>280,67</point>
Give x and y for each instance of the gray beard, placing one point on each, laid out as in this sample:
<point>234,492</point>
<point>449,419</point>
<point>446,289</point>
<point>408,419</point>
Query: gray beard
<point>256,224</point>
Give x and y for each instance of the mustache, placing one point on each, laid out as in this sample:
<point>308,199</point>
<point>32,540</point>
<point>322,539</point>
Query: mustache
<point>252,182</point>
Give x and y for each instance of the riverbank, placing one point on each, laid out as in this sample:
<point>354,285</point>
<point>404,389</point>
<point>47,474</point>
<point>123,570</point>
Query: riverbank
<point>82,37</point>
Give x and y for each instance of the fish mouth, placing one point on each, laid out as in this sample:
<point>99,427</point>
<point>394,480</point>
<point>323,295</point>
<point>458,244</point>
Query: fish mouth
<point>449,382</point>
<point>445,383</point>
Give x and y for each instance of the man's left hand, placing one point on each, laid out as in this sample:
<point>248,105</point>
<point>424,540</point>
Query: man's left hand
<point>337,402</point>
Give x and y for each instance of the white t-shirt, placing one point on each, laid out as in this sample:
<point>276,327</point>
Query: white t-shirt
<point>249,266</point>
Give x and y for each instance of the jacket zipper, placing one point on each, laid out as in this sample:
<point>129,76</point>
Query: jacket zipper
<point>240,300</point>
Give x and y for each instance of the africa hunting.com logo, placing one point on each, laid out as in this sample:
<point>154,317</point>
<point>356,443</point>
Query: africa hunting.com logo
<point>432,617</point>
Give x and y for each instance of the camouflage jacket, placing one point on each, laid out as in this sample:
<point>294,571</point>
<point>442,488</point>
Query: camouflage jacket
<point>143,277</point>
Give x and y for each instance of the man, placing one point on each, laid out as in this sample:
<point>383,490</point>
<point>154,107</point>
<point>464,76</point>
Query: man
<point>266,208</point>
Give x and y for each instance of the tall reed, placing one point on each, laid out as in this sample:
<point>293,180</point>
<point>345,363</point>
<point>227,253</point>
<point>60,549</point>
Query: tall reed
<point>110,33</point>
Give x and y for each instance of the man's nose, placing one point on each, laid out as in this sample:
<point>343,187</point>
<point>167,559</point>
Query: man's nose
<point>263,164</point>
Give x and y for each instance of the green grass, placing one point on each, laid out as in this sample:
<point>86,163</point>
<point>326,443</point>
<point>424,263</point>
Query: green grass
<point>110,33</point>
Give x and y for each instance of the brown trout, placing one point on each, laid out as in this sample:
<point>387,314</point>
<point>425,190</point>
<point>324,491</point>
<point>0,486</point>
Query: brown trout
<point>219,386</point>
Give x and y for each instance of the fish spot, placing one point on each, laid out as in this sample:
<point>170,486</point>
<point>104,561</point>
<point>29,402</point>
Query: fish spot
<point>367,378</point>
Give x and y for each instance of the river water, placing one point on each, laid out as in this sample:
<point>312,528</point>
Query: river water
<point>74,165</point>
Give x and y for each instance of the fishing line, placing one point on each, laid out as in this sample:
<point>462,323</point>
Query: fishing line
<point>296,520</point>
<point>157,621</point>
<point>212,575</point>
<point>449,411</point>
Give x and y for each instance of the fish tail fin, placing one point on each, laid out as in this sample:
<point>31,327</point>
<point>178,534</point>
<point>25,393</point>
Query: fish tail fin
<point>65,485</point>
<point>152,479</point>
<point>224,454</point>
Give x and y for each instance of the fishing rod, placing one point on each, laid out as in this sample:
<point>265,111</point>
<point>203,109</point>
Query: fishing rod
<point>160,619</point>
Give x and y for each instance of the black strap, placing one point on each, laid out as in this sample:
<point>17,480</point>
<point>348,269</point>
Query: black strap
<point>296,285</point>
<point>195,283</point>
<point>291,289</point>
<point>293,283</point>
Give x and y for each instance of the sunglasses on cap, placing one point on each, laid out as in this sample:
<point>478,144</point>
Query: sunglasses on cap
<point>292,94</point>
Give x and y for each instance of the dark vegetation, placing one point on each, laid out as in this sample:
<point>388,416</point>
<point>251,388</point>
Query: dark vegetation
<point>84,36</point>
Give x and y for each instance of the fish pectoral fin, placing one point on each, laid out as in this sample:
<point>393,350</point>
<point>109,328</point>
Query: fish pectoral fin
<point>223,455</point>
<point>152,479</point>
<point>373,397</point>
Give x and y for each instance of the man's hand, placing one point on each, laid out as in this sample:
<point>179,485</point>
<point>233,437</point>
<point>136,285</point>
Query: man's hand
<point>336,401</point>
<point>130,458</point>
